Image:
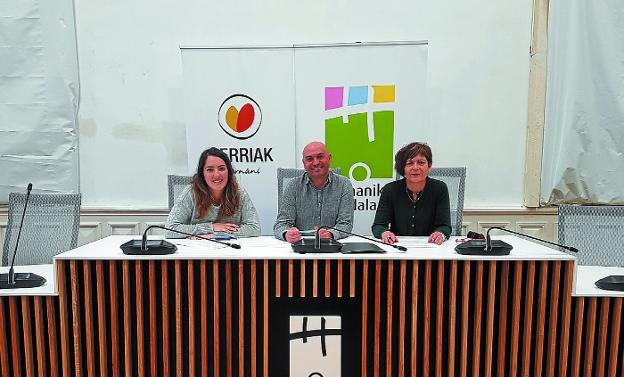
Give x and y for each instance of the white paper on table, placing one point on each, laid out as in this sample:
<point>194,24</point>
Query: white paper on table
<point>416,242</point>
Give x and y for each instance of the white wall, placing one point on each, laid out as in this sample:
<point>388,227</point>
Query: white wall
<point>132,112</point>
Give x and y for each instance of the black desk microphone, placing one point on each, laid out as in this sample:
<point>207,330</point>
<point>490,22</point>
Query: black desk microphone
<point>21,279</point>
<point>161,247</point>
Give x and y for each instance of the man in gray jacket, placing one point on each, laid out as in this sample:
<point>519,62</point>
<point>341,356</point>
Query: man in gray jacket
<point>317,198</point>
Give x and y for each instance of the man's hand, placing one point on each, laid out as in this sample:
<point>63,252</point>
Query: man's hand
<point>324,233</point>
<point>292,235</point>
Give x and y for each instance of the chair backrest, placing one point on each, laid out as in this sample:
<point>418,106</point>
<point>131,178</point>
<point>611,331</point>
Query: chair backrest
<point>285,175</point>
<point>175,184</point>
<point>51,226</point>
<point>596,231</point>
<point>455,179</point>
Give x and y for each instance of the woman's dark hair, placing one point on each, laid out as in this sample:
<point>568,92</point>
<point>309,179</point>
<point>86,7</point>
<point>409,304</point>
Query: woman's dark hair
<point>409,151</point>
<point>230,200</point>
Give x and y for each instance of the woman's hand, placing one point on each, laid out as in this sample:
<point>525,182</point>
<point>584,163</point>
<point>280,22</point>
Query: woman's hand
<point>224,227</point>
<point>437,238</point>
<point>389,237</point>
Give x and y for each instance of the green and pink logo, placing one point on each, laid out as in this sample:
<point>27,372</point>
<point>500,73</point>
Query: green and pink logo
<point>359,129</point>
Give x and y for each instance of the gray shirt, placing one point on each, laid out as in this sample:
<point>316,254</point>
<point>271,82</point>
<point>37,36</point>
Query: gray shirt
<point>306,207</point>
<point>183,217</point>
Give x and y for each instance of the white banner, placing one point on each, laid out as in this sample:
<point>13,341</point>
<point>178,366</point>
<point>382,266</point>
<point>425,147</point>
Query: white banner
<point>242,101</point>
<point>364,101</point>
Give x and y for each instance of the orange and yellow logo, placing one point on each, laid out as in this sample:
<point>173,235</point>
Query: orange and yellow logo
<point>240,116</point>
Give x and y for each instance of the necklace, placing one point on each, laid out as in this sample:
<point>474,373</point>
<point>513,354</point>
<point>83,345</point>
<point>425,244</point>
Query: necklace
<point>418,195</point>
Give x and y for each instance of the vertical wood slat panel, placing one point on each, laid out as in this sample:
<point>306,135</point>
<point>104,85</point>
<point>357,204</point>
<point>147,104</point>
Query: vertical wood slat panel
<point>541,319</point>
<point>502,328</point>
<point>566,297</point>
<point>414,306</point>
<point>61,278</point>
<point>528,321</point>
<point>126,316</point>
<point>228,316</point>
<point>265,317</point>
<point>552,322</point>
<point>164,278</point>
<point>15,341</point>
<point>178,318</point>
<point>52,335</point>
<point>339,288</point>
<point>315,281</point>
<point>28,345</point>
<point>302,273</point>
<point>602,335</point>
<point>4,349</point>
<point>290,278</point>
<point>89,326</point>
<point>215,314</point>
<point>115,355</point>
<point>389,297</point>
<point>515,320</point>
<point>253,315</point>
<point>452,335</point>
<point>153,334</point>
<point>489,321</point>
<point>615,337</point>
<point>191,317</point>
<point>377,319</point>
<point>463,361</point>
<point>76,318</point>
<point>578,337</point>
<point>352,278</point>
<point>426,318</point>
<point>278,278</point>
<point>478,311</point>
<point>241,319</point>
<point>102,326</point>
<point>203,283</point>
<point>327,278</point>
<point>364,315</point>
<point>438,313</point>
<point>402,284</point>
<point>589,338</point>
<point>40,337</point>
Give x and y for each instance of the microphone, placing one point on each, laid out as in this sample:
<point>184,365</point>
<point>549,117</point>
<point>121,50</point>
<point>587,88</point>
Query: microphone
<point>498,247</point>
<point>360,247</point>
<point>161,247</point>
<point>569,248</point>
<point>24,279</point>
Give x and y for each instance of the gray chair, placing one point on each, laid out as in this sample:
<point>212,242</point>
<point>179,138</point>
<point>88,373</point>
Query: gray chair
<point>175,184</point>
<point>455,179</point>
<point>51,226</point>
<point>596,231</point>
<point>284,175</point>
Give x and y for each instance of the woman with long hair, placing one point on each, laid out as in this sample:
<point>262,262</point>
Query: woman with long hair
<point>214,203</point>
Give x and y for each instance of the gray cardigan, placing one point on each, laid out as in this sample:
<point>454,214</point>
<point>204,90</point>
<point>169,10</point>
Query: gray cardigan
<point>183,217</point>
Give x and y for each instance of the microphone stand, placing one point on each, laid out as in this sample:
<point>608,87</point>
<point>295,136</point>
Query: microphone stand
<point>358,249</point>
<point>488,240</point>
<point>21,280</point>
<point>162,247</point>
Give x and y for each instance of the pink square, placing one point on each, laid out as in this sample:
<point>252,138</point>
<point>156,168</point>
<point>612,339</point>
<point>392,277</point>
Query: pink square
<point>333,97</point>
